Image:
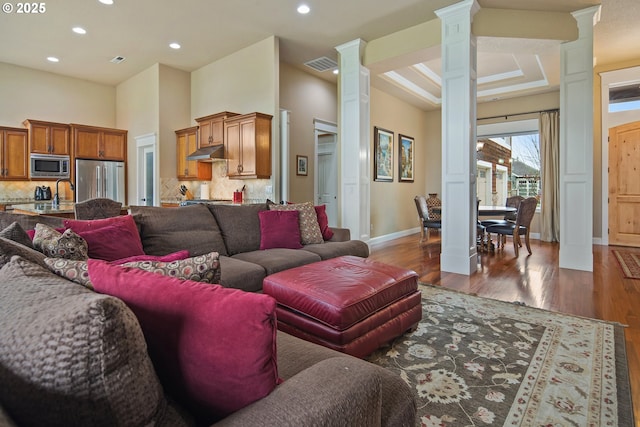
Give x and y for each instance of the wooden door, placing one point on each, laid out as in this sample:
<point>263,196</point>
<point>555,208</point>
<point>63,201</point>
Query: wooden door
<point>624,185</point>
<point>59,140</point>
<point>114,145</point>
<point>39,138</point>
<point>232,142</point>
<point>16,155</point>
<point>86,143</point>
<point>248,147</point>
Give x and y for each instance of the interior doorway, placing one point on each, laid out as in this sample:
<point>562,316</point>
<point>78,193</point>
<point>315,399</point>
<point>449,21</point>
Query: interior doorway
<point>484,182</point>
<point>326,176</point>
<point>147,182</point>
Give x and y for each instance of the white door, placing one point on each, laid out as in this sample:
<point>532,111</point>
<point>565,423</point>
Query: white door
<point>326,176</point>
<point>483,183</point>
<point>501,185</point>
<point>147,172</point>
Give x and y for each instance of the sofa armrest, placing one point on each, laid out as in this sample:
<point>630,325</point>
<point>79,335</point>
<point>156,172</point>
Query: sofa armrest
<point>340,234</point>
<point>336,391</point>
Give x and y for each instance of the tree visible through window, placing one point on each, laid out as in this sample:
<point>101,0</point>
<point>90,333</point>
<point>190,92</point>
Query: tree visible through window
<point>526,165</point>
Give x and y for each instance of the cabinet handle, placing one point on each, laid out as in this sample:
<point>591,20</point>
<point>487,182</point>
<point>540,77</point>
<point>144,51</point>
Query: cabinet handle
<point>210,139</point>
<point>240,168</point>
<point>186,171</point>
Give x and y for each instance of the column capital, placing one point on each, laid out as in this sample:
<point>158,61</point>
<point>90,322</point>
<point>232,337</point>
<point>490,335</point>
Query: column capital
<point>471,5</point>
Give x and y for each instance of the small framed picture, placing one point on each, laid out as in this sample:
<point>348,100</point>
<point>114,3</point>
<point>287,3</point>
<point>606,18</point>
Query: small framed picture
<point>382,155</point>
<point>301,165</point>
<point>405,158</point>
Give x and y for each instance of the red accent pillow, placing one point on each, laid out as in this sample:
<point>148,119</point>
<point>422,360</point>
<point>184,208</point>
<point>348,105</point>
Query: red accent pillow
<point>175,256</point>
<point>279,229</point>
<point>213,347</point>
<point>109,239</point>
<point>323,222</point>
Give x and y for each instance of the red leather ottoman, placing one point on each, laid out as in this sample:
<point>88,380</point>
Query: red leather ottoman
<point>350,304</point>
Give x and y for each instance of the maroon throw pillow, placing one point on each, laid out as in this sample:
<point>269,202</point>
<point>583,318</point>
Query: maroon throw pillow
<point>174,256</point>
<point>80,225</point>
<point>323,222</point>
<point>109,239</point>
<point>279,229</point>
<point>213,347</point>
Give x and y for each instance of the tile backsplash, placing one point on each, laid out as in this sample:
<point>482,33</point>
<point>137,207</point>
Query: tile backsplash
<point>24,190</point>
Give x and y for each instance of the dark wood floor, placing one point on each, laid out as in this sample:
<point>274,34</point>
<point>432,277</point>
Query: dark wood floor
<point>537,281</point>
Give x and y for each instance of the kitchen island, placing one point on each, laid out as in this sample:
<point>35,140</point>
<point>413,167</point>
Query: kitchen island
<point>64,209</point>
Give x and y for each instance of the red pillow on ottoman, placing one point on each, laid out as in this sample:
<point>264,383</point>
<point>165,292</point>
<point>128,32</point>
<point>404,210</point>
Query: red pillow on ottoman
<point>214,348</point>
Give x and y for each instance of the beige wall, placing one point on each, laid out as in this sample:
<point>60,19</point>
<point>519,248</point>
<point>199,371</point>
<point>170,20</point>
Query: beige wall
<point>138,107</point>
<point>392,206</point>
<point>31,94</point>
<point>308,98</point>
<point>175,103</point>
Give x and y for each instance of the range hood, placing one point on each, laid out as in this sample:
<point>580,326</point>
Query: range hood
<point>214,152</point>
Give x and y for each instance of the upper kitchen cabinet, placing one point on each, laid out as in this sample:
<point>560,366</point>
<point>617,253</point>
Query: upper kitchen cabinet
<point>186,140</point>
<point>212,129</point>
<point>92,142</point>
<point>14,154</point>
<point>48,137</point>
<point>247,146</point>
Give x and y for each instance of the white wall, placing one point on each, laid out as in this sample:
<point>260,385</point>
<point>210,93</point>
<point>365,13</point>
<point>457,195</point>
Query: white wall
<point>31,94</point>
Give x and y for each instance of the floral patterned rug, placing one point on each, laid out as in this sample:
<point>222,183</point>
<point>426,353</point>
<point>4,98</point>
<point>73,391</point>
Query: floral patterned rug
<point>629,263</point>
<point>476,362</point>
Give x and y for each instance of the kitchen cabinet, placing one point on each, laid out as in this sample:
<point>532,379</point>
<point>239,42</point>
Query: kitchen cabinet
<point>14,154</point>
<point>212,129</point>
<point>93,142</point>
<point>247,146</point>
<point>48,137</point>
<point>186,140</point>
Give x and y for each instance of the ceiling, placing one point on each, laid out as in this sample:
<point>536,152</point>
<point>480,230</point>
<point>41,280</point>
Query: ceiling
<point>141,30</point>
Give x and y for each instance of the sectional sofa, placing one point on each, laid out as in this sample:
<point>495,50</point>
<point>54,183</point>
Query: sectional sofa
<point>72,356</point>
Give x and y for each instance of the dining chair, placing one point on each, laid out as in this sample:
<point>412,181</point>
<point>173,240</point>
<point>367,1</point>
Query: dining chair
<point>520,227</point>
<point>426,223</point>
<point>512,202</point>
<point>98,208</point>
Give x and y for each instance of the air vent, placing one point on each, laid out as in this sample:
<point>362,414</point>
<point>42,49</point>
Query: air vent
<point>117,59</point>
<point>322,64</point>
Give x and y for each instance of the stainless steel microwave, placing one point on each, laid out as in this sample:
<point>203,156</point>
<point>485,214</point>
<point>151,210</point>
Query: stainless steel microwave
<point>49,166</point>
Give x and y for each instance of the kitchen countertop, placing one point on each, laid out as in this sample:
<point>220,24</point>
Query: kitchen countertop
<point>47,208</point>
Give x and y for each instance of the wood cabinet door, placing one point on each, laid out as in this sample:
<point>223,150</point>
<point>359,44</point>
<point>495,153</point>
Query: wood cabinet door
<point>59,140</point>
<point>206,138</point>
<point>232,143</point>
<point>16,155</point>
<point>181,156</point>
<point>248,147</point>
<point>86,143</point>
<point>39,138</point>
<point>113,145</point>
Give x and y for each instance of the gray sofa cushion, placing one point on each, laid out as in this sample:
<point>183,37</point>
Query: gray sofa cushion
<point>239,274</point>
<point>16,233</point>
<point>9,248</point>
<point>274,260</point>
<point>240,226</point>
<point>167,230</point>
<point>71,357</point>
<point>328,250</point>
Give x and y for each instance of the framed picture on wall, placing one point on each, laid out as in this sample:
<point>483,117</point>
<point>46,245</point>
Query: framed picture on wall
<point>405,158</point>
<point>301,165</point>
<point>382,155</point>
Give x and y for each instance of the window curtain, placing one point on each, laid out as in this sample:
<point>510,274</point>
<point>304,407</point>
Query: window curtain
<point>550,153</point>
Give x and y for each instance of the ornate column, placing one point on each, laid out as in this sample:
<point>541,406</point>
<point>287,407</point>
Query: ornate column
<point>353,130</point>
<point>458,138</point>
<point>576,145</point>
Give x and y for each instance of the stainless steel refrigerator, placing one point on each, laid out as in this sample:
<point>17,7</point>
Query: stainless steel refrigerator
<point>98,178</point>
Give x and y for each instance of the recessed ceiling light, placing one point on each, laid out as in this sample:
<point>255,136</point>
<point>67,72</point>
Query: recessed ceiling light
<point>79,30</point>
<point>304,9</point>
<point>52,59</point>
<point>174,45</point>
<point>336,71</point>
<point>106,1</point>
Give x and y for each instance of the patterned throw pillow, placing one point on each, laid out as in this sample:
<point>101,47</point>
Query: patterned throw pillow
<point>309,228</point>
<point>201,268</point>
<point>70,269</point>
<point>54,244</point>
<point>16,233</point>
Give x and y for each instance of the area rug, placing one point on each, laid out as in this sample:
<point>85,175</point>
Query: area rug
<point>475,361</point>
<point>629,263</point>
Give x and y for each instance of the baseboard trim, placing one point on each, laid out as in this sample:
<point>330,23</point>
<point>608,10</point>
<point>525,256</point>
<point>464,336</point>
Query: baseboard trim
<point>392,236</point>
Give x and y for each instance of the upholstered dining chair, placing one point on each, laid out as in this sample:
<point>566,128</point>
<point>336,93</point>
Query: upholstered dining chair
<point>520,227</point>
<point>423,216</point>
<point>512,202</point>
<point>97,209</point>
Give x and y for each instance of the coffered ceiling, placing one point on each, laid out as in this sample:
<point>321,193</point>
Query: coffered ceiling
<point>140,31</point>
